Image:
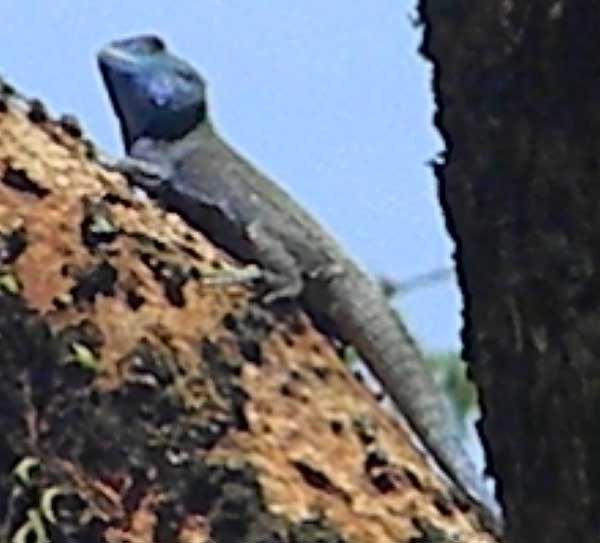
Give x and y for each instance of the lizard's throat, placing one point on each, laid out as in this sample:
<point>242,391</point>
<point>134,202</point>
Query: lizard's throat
<point>163,125</point>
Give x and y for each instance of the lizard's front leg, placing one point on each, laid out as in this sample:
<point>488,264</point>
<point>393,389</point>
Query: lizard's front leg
<point>146,165</point>
<point>280,270</point>
<point>148,168</point>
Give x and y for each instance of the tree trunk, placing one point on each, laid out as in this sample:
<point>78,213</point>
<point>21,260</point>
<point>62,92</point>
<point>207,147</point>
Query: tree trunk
<point>517,84</point>
<point>139,403</point>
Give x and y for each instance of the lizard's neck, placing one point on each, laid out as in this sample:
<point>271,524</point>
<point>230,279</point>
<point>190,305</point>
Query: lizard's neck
<point>194,141</point>
<point>201,131</point>
<point>198,136</point>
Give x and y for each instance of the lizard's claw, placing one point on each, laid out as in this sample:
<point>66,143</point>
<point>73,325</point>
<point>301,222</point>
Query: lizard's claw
<point>232,276</point>
<point>145,173</point>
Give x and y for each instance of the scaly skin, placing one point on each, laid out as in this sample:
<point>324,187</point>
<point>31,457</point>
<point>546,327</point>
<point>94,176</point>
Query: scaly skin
<point>160,102</point>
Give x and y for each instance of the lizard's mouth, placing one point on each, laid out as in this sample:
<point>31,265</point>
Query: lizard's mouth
<point>124,53</point>
<point>112,57</point>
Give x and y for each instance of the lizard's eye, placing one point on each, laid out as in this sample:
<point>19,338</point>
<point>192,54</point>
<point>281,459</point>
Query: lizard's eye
<point>151,44</point>
<point>185,75</point>
<point>145,45</point>
<point>155,44</point>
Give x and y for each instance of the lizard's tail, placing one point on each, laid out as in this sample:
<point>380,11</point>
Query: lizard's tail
<point>368,322</point>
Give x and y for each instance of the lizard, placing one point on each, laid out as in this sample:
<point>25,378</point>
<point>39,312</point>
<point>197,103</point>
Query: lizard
<point>175,153</point>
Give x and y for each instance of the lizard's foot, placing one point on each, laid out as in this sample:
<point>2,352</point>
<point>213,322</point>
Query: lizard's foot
<point>232,276</point>
<point>277,288</point>
<point>282,275</point>
<point>327,272</point>
<point>281,288</point>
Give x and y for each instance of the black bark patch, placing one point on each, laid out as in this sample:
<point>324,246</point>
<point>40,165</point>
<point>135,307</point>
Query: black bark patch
<point>383,482</point>
<point>429,533</point>
<point>134,300</point>
<point>365,430</point>
<point>115,199</point>
<point>17,179</point>
<point>6,89</point>
<point>314,531</point>
<point>12,245</point>
<point>98,226</point>
<point>190,251</point>
<point>315,478</point>
<point>250,329</point>
<point>143,423</point>
<point>90,150</point>
<point>230,498</point>
<point>376,459</point>
<point>37,111</point>
<point>337,427</point>
<point>285,390</point>
<point>443,505</point>
<point>26,343</point>
<point>322,372</point>
<point>98,280</point>
<point>225,372</point>
<point>413,479</point>
<point>148,241</point>
<point>151,366</point>
<point>70,124</point>
<point>172,278</point>
<point>296,325</point>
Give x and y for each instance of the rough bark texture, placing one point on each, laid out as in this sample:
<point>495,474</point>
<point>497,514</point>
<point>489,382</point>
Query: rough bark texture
<point>140,404</point>
<point>517,85</point>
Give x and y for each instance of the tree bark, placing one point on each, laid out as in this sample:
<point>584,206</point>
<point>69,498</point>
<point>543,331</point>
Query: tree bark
<point>517,85</point>
<point>139,403</point>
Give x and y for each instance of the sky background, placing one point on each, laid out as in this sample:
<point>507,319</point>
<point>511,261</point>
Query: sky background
<point>329,98</point>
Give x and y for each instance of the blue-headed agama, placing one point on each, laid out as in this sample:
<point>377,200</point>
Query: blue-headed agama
<point>175,153</point>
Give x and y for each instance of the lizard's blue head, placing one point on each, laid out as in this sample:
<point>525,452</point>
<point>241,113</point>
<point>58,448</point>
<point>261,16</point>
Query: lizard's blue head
<point>154,94</point>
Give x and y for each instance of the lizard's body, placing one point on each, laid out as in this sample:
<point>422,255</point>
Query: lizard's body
<point>220,193</point>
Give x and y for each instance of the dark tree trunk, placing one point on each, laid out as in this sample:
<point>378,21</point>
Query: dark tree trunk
<point>518,84</point>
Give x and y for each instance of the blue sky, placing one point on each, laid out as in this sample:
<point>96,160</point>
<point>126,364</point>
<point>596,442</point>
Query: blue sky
<point>329,98</point>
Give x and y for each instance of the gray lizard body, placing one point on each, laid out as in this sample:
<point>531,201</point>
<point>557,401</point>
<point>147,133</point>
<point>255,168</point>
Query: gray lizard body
<point>160,102</point>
